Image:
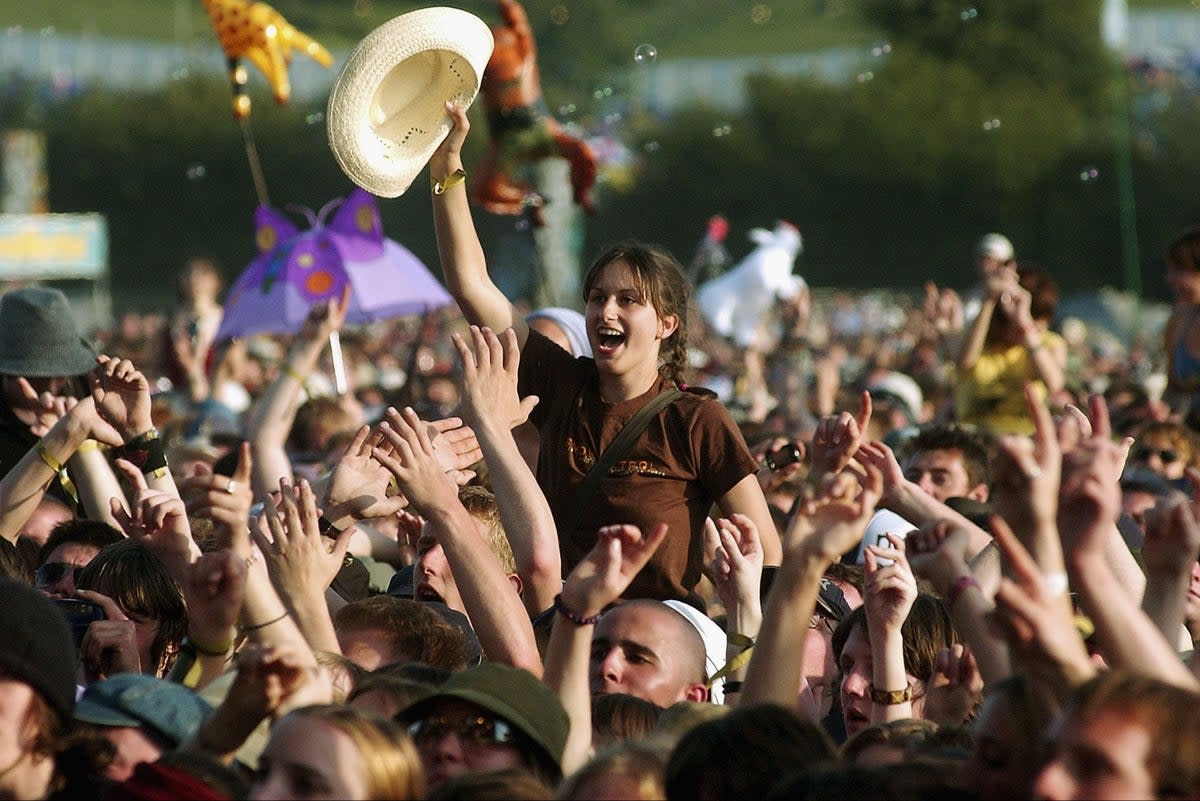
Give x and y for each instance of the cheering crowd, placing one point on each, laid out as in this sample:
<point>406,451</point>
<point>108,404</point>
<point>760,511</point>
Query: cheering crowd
<point>536,555</point>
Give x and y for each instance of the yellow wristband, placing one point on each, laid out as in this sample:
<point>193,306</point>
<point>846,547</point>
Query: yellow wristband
<point>453,179</point>
<point>87,446</point>
<point>293,372</point>
<point>50,461</point>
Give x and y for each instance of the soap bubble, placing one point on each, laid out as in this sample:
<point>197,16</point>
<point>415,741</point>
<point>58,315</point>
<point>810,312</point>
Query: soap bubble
<point>968,14</point>
<point>863,77</point>
<point>991,124</point>
<point>760,14</point>
<point>559,14</point>
<point>645,54</point>
<point>881,49</point>
<point>195,171</point>
<point>722,129</point>
<point>651,147</point>
<point>316,118</point>
<point>1089,174</point>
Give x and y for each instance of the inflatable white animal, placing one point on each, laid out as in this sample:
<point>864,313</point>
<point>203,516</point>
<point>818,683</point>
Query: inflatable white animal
<point>736,304</point>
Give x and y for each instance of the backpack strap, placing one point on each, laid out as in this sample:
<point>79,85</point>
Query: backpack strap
<point>615,450</point>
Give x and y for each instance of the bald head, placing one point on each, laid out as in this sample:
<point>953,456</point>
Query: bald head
<point>645,648</point>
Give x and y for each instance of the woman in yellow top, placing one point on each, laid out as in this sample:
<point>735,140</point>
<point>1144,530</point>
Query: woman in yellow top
<point>1008,346</point>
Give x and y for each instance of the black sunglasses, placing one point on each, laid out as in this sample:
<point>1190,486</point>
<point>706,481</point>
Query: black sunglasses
<point>1166,455</point>
<point>52,573</point>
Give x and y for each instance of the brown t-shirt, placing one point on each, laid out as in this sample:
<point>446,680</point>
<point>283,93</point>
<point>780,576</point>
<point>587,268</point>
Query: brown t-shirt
<point>689,456</point>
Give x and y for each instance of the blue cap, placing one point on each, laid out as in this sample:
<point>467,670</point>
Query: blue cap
<point>168,710</point>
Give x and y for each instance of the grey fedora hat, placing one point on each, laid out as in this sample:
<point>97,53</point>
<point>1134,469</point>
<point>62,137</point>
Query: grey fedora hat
<point>39,337</point>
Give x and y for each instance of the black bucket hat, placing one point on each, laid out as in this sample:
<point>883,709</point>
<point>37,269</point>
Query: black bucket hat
<point>39,337</point>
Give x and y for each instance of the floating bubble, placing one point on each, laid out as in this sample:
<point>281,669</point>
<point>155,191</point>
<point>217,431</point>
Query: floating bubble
<point>651,147</point>
<point>195,171</point>
<point>362,8</point>
<point>559,14</point>
<point>610,119</point>
<point>863,77</point>
<point>15,30</point>
<point>723,129</point>
<point>1089,174</point>
<point>522,224</point>
<point>760,14</point>
<point>645,54</point>
<point>47,31</point>
<point>568,108</point>
<point>316,118</point>
<point>881,49</point>
<point>991,124</point>
<point>968,14</point>
<point>179,74</point>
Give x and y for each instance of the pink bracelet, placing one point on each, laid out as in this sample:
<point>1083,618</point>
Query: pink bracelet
<point>578,620</point>
<point>959,587</point>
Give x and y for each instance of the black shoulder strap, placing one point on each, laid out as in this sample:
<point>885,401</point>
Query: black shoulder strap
<point>615,450</point>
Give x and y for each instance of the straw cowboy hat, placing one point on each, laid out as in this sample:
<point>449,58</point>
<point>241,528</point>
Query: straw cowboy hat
<point>387,109</point>
<point>39,337</point>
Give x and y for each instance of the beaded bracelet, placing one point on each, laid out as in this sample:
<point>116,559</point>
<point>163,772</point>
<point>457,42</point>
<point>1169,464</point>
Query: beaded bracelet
<point>578,620</point>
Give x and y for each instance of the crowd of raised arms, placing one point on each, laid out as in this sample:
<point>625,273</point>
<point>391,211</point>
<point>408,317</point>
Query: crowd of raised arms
<point>530,555</point>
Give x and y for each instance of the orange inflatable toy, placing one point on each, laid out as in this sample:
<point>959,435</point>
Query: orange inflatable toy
<point>520,126</point>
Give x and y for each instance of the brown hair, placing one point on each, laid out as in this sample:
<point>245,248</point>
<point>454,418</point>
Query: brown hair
<point>1170,714</point>
<point>415,632</point>
<point>662,280</point>
<point>742,754</point>
<point>1181,437</point>
<point>974,446</point>
<point>926,631</point>
<point>643,762</point>
<point>619,716</point>
<point>1183,252</point>
<point>141,585</point>
<point>391,764</point>
<point>900,734</point>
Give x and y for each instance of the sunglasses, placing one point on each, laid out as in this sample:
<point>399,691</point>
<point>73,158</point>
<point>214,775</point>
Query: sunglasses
<point>52,573</point>
<point>1166,455</point>
<point>475,731</point>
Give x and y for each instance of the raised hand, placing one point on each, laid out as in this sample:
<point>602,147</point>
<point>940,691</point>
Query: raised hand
<point>226,501</point>
<point>109,646</point>
<point>271,679</point>
<point>214,589</point>
<point>882,458</point>
<point>737,564</point>
<point>888,590</point>
<point>1035,618</point>
<point>490,365</point>
<point>420,475</point>
<point>939,552</point>
<point>1028,471</point>
<point>621,551</point>
<point>1172,540</point>
<point>455,446</point>
<point>360,486</point>
<point>837,437</point>
<point>122,396</point>
<point>158,521</point>
<point>46,408</point>
<point>324,318</point>
<point>955,688</point>
<point>298,558</point>
<point>831,521</point>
